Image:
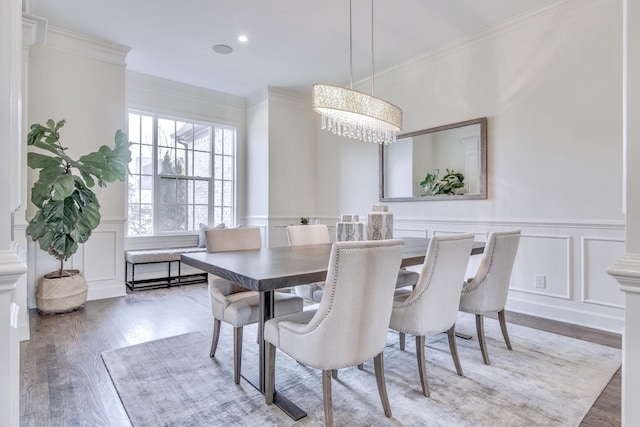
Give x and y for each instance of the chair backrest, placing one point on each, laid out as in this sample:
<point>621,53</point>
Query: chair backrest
<point>233,239</point>
<point>491,282</point>
<point>312,234</point>
<point>351,322</point>
<point>432,306</point>
<point>225,240</point>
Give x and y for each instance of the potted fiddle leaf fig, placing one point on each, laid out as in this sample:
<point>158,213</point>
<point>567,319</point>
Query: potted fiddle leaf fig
<point>68,210</point>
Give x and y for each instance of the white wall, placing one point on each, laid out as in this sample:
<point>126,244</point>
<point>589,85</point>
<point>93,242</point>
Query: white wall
<point>281,162</point>
<point>550,85</point>
<point>82,81</point>
<point>257,160</point>
<point>291,155</point>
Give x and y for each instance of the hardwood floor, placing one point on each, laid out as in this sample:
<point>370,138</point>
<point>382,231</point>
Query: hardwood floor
<point>64,382</point>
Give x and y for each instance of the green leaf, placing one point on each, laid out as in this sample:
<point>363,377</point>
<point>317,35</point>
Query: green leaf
<point>45,242</point>
<point>40,193</point>
<point>38,161</point>
<point>87,222</point>
<point>37,227</point>
<point>63,186</point>
<point>36,133</point>
<point>63,246</point>
<point>88,179</point>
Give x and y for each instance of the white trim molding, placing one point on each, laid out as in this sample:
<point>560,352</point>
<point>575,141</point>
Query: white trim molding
<point>79,44</point>
<point>627,272</point>
<point>11,269</point>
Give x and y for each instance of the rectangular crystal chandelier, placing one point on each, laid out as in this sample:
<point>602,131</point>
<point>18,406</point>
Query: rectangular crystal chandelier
<point>355,114</point>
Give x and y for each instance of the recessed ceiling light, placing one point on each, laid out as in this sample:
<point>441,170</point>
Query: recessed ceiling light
<point>243,39</point>
<point>222,48</point>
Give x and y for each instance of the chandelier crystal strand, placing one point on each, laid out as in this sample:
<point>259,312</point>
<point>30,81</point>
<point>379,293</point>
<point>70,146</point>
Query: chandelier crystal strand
<point>354,114</point>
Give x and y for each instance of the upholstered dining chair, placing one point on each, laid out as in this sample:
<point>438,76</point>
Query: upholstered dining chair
<point>317,234</point>
<point>230,302</point>
<point>350,324</point>
<point>432,306</point>
<point>487,291</point>
<point>312,234</point>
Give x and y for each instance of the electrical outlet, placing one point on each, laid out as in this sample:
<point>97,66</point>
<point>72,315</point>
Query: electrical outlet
<point>541,281</point>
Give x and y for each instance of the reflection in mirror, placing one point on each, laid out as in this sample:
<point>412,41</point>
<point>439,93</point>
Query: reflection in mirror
<point>458,148</point>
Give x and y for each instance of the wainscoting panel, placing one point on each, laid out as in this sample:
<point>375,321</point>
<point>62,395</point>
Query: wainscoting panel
<point>598,287</point>
<point>547,258</point>
<point>101,260</point>
<point>99,256</point>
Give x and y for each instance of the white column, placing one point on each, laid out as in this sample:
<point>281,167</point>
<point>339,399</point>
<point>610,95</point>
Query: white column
<point>11,268</point>
<point>627,269</point>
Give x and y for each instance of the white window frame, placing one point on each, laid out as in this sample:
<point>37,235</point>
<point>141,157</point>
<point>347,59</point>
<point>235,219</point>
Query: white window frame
<point>156,177</point>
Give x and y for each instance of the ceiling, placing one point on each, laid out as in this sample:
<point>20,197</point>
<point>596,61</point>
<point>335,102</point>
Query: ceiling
<point>292,43</point>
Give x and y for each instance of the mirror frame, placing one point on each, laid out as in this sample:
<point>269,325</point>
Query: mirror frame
<point>482,121</point>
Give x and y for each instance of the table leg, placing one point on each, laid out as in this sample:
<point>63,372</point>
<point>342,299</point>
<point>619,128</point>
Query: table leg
<point>267,309</point>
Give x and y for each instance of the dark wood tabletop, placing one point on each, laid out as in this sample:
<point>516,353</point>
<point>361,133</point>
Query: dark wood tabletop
<point>281,267</point>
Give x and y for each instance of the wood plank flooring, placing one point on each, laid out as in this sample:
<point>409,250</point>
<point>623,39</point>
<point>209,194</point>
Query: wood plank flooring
<point>65,383</point>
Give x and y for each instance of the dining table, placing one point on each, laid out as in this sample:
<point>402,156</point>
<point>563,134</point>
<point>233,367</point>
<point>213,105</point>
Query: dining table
<point>268,269</point>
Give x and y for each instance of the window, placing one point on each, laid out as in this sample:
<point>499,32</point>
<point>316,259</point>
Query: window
<point>182,174</point>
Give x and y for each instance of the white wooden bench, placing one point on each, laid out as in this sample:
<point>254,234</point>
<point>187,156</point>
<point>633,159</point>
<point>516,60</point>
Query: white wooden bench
<point>155,256</point>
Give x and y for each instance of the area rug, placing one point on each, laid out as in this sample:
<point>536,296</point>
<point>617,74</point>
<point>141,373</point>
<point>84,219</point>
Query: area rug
<point>547,380</point>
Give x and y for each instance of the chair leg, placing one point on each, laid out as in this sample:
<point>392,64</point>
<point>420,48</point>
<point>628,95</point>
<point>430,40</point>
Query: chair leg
<point>402,340</point>
<point>422,369</point>
<point>326,397</point>
<point>270,373</point>
<point>453,348</point>
<point>503,326</point>
<point>361,366</point>
<point>216,336</point>
<point>237,353</point>
<point>378,363</point>
<point>481,339</point>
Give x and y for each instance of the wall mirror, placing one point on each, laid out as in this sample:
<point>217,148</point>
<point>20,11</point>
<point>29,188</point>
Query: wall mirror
<point>458,147</point>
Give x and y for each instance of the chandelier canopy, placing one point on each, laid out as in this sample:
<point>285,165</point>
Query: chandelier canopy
<point>355,114</point>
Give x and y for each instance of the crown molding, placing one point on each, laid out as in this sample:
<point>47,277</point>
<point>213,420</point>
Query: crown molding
<point>81,45</point>
<point>34,30</point>
<point>171,88</point>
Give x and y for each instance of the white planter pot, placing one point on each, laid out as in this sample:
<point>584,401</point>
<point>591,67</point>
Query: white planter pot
<point>61,294</point>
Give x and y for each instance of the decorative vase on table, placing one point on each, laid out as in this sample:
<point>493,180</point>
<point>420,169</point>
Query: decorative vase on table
<point>379,223</point>
<point>349,228</point>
